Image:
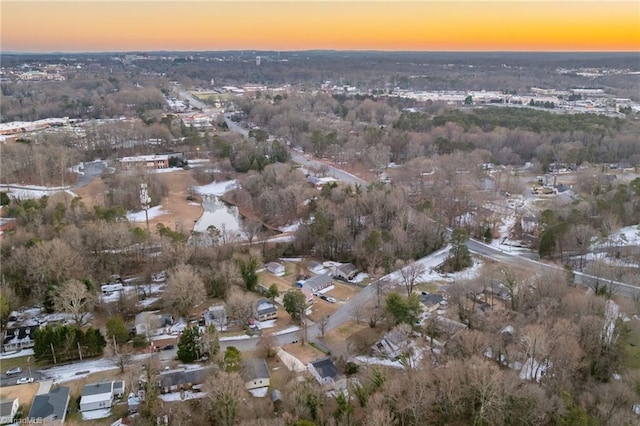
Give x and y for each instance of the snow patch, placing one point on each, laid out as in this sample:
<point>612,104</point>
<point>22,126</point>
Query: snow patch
<point>259,392</point>
<point>96,414</point>
<point>140,216</point>
<point>177,396</point>
<point>17,354</point>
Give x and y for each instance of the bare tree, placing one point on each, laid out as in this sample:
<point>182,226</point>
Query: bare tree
<point>73,298</point>
<point>322,324</point>
<point>410,272</point>
<point>225,392</point>
<point>185,289</point>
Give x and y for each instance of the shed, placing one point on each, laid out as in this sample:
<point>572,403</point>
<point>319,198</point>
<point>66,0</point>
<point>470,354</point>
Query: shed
<point>275,268</point>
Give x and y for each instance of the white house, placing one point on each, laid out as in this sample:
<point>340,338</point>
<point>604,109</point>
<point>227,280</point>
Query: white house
<point>265,310</point>
<point>346,272</point>
<point>8,410</point>
<point>151,323</point>
<point>324,370</point>
<point>18,338</point>
<point>97,396</point>
<point>255,373</point>
<point>275,268</point>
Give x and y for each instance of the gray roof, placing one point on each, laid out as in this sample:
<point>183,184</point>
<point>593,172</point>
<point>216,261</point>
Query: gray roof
<point>348,268</point>
<point>255,369</point>
<point>53,404</point>
<point>97,388</point>
<point>183,377</point>
<point>431,299</point>
<point>318,282</point>
<point>6,406</point>
<point>325,368</point>
<point>265,306</point>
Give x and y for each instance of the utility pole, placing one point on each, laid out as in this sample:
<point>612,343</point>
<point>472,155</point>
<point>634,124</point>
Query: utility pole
<point>79,351</point>
<point>53,353</point>
<point>115,345</point>
<point>145,200</point>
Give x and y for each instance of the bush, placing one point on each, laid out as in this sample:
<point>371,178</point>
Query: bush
<point>139,341</point>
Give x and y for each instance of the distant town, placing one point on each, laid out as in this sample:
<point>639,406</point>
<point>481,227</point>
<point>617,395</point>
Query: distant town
<point>320,238</point>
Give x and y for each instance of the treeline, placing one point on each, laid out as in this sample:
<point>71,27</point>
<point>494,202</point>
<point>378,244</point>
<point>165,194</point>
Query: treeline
<point>63,343</point>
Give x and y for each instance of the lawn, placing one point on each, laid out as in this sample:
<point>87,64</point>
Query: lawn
<point>631,346</point>
<point>22,361</point>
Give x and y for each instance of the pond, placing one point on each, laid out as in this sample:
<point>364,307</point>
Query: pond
<point>220,221</point>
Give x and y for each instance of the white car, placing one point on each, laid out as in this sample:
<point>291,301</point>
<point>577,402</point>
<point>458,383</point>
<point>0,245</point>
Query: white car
<point>331,300</point>
<point>24,380</point>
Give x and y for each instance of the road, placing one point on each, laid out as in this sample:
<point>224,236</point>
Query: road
<point>334,172</point>
<point>91,171</point>
<point>193,101</point>
<point>11,380</point>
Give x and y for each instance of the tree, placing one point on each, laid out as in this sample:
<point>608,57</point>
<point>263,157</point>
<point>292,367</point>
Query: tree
<point>410,272</point>
<point>232,361</point>
<point>224,392</point>
<point>460,257</point>
<point>117,329</point>
<point>273,291</point>
<point>294,302</point>
<point>185,289</point>
<point>403,310</point>
<point>248,266</point>
<point>189,345</point>
<point>74,298</point>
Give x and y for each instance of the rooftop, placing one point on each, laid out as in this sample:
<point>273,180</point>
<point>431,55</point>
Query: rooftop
<point>325,368</point>
<point>52,405</point>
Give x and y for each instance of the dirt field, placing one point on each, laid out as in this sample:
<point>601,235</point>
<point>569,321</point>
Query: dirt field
<point>342,291</point>
<point>305,353</point>
<point>353,338</point>
<point>24,393</point>
<point>179,212</point>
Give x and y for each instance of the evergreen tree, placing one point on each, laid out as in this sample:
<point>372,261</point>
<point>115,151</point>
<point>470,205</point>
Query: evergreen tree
<point>189,344</point>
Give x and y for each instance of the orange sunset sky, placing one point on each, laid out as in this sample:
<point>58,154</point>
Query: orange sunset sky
<point>445,25</point>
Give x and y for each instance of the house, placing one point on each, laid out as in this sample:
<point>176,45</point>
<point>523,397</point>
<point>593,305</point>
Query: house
<point>264,309</point>
<point>432,302</point>
<point>133,401</point>
<point>318,283</point>
<point>215,315</point>
<point>182,379</point>
<point>100,395</point>
<point>19,338</point>
<point>151,323</point>
<point>8,410</point>
<point>308,294</point>
<point>7,224</point>
<point>50,407</point>
<point>255,373</point>
<point>275,268</point>
<point>346,272</point>
<point>392,345</point>
<point>316,267</point>
<point>148,161</point>
<point>324,370</point>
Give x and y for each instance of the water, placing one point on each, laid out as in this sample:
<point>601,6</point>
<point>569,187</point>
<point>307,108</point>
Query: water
<point>224,217</point>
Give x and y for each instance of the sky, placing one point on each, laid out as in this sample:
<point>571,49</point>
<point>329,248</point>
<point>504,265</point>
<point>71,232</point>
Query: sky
<point>443,25</point>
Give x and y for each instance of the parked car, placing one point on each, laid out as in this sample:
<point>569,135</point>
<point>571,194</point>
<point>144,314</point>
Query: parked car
<point>14,371</point>
<point>323,297</point>
<point>167,347</point>
<point>24,380</point>
<point>331,300</point>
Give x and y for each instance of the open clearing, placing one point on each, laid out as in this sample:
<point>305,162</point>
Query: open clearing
<point>24,393</point>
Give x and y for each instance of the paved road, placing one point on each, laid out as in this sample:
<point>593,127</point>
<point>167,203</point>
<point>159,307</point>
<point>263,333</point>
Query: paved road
<point>331,171</point>
<point>193,101</point>
<point>11,380</point>
<point>580,278</point>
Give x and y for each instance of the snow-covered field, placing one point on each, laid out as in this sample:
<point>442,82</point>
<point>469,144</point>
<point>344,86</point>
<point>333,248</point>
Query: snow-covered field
<point>140,216</point>
<point>23,352</point>
<point>78,370</point>
<point>177,396</point>
<point>96,414</point>
<point>34,191</point>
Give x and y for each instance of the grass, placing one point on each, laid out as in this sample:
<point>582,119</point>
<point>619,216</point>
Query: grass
<point>428,287</point>
<point>631,347</point>
<point>20,362</point>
